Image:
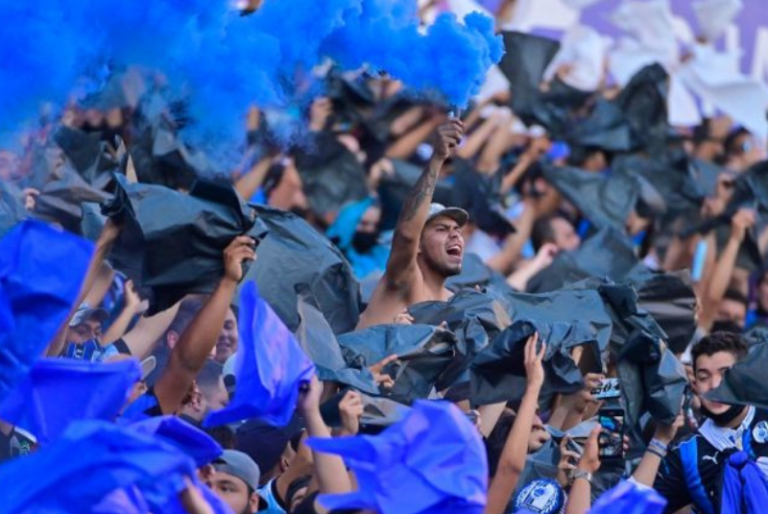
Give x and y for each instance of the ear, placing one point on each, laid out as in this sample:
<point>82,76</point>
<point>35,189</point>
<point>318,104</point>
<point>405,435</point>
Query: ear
<point>171,338</point>
<point>284,464</point>
<point>253,503</point>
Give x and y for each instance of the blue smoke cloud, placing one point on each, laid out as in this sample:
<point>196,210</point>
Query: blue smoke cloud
<point>218,62</point>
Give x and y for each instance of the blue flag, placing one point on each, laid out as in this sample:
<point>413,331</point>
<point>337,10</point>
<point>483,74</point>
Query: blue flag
<point>431,462</point>
<point>629,498</point>
<point>41,271</point>
<point>201,447</point>
<point>91,460</point>
<point>59,391</point>
<point>270,366</point>
<point>745,490</point>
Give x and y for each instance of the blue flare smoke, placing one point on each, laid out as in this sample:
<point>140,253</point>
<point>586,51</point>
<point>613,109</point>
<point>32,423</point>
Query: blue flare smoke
<point>220,63</point>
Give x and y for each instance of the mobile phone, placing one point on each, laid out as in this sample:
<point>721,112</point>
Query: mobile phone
<point>611,439</point>
<point>608,388</point>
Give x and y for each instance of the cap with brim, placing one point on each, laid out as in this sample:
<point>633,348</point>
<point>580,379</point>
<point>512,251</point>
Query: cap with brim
<point>437,210</point>
<point>148,365</point>
<point>84,314</point>
<point>240,465</point>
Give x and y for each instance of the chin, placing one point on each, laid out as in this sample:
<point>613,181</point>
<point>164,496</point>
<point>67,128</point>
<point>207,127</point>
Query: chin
<point>715,408</point>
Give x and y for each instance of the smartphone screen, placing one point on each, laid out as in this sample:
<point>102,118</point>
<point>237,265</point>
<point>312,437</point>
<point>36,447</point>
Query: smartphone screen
<point>612,435</point>
<point>608,388</point>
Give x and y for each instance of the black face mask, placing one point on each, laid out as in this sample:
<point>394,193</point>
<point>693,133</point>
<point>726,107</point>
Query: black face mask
<point>726,417</point>
<point>726,326</point>
<point>301,212</point>
<point>362,242</point>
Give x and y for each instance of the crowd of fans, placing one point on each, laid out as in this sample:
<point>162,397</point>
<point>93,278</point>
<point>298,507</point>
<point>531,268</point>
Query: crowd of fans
<point>549,304</point>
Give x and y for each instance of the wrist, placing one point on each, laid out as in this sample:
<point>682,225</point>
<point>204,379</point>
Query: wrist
<point>663,438</point>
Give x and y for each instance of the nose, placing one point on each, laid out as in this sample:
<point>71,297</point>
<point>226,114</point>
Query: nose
<point>716,379</point>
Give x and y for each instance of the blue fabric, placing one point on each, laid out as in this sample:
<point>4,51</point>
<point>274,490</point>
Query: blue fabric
<point>190,440</point>
<point>745,490</point>
<point>269,368</point>
<point>90,461</point>
<point>583,228</point>
<point>628,498</point>
<point>137,411</point>
<point>689,455</point>
<point>90,350</point>
<point>41,270</point>
<point>746,444</point>
<point>216,503</point>
<point>122,501</point>
<point>431,462</point>
<point>59,391</point>
<point>345,226</point>
<point>343,230</point>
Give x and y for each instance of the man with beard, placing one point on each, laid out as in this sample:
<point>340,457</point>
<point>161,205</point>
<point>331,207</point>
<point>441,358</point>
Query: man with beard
<point>694,471</point>
<point>427,247</point>
<point>236,480</point>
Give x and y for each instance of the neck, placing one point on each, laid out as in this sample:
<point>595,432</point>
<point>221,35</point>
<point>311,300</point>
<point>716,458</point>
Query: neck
<point>434,282</point>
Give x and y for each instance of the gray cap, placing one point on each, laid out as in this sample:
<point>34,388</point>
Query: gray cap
<point>240,465</point>
<point>84,313</point>
<point>436,210</point>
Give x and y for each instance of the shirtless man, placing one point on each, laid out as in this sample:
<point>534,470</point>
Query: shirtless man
<point>427,247</point>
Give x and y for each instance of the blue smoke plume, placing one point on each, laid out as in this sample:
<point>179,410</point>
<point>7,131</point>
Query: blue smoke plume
<point>220,63</point>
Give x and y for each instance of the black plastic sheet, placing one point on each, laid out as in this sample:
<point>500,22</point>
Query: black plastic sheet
<point>319,343</point>
<point>652,379</point>
<point>378,413</point>
<point>85,151</point>
<point>606,200</point>
<point>475,318</point>
<point>62,189</point>
<point>12,208</point>
<point>525,60</point>
<point>497,371</point>
<point>480,195</point>
<point>424,352</point>
<point>644,104</point>
<point>159,157</point>
<point>295,254</point>
<point>671,300</point>
<point>604,127</point>
<point>750,192</point>
<point>606,254</point>
<point>744,382</point>
<point>172,243</point>
<point>331,175</point>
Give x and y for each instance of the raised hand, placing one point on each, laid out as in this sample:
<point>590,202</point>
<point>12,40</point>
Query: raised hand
<point>241,249</point>
<point>534,368</point>
<point>448,138</point>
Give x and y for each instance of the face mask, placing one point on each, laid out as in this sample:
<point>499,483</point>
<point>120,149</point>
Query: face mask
<point>726,417</point>
<point>363,242</point>
<point>726,326</point>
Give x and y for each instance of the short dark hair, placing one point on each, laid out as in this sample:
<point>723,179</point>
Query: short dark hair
<point>494,444</point>
<point>543,232</point>
<point>719,342</point>
<point>187,311</point>
<point>736,295</point>
<point>731,146</point>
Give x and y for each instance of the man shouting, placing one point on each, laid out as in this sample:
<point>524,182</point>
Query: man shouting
<point>427,247</point>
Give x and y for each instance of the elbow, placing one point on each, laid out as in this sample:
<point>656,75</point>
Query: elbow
<point>508,468</point>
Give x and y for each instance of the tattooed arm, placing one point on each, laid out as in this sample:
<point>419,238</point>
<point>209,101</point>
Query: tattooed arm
<point>413,216</point>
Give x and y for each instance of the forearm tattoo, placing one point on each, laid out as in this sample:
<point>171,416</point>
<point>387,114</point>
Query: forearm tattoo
<point>422,191</point>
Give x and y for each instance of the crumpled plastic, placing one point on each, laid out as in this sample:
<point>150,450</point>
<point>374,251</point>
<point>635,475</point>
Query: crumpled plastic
<point>172,244</point>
